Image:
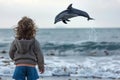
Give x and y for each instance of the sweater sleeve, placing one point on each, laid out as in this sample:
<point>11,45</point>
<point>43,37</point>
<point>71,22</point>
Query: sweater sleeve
<point>12,50</point>
<point>39,55</point>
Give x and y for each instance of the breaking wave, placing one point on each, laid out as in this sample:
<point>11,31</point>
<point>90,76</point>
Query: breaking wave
<point>83,47</point>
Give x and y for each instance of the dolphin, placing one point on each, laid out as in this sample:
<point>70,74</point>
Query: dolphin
<point>71,12</point>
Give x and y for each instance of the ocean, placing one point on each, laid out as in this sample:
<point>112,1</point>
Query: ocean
<point>83,52</point>
<point>77,41</point>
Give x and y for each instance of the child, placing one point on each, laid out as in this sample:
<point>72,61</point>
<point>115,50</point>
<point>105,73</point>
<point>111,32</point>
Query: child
<point>26,52</point>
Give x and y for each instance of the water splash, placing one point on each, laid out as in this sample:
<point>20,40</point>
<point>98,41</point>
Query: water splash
<point>92,34</point>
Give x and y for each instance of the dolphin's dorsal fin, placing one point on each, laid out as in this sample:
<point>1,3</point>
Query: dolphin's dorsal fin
<point>69,7</point>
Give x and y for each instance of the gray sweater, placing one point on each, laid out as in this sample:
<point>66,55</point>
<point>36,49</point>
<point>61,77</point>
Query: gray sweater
<point>27,52</point>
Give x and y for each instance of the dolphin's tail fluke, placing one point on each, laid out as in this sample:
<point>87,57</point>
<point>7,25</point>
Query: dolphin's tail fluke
<point>90,19</point>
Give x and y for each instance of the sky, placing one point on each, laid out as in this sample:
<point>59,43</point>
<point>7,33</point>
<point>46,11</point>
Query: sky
<point>105,12</point>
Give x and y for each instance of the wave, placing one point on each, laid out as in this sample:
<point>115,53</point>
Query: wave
<point>83,47</point>
<point>76,48</point>
<point>4,44</point>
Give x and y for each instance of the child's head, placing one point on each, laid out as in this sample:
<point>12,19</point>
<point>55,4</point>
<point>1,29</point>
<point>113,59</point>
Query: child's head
<point>25,29</point>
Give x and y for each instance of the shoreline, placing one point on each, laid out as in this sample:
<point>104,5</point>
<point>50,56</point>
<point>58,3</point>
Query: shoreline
<point>71,67</point>
<point>60,78</point>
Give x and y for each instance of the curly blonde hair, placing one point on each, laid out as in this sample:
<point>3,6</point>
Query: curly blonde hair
<point>25,29</point>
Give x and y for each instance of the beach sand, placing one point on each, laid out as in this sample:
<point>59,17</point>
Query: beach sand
<point>61,78</point>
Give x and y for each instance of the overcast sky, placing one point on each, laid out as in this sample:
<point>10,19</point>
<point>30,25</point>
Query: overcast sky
<point>43,12</point>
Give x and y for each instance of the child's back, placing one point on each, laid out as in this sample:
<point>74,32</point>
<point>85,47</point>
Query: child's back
<point>25,51</point>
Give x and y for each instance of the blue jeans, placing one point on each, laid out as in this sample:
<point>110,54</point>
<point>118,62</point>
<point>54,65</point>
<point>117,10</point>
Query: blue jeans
<point>23,72</point>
